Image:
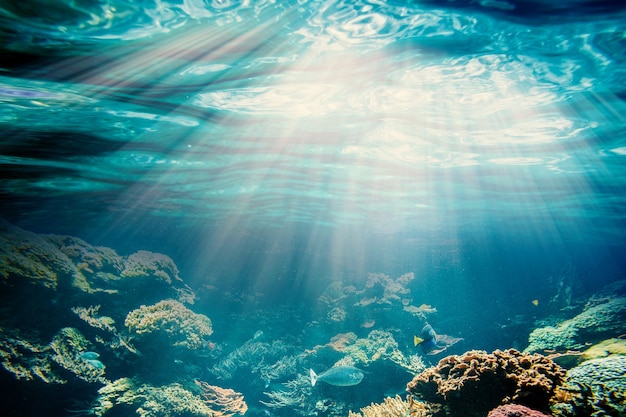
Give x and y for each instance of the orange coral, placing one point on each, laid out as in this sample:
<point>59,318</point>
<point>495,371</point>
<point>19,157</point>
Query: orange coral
<point>476,382</point>
<point>224,401</point>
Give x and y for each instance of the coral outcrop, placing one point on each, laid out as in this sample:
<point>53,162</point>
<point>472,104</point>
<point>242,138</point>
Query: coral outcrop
<point>515,410</point>
<point>594,388</point>
<point>394,407</point>
<point>602,318</point>
<point>70,264</point>
<point>224,401</point>
<point>127,397</point>
<point>476,382</point>
<point>172,321</point>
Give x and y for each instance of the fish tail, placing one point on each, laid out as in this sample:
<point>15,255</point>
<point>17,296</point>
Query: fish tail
<point>417,340</point>
<point>313,377</point>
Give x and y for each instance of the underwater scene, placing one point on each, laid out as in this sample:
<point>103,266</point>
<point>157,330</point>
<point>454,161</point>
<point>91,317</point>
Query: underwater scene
<point>368,208</point>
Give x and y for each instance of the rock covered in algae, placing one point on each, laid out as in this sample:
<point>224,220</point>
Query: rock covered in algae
<point>69,263</point>
<point>602,318</point>
<point>172,320</point>
<point>595,388</point>
<point>476,382</point>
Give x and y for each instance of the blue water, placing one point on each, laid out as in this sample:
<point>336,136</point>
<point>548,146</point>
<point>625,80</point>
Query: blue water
<point>274,148</point>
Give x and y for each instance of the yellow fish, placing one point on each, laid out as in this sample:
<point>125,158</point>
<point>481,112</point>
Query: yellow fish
<point>535,302</point>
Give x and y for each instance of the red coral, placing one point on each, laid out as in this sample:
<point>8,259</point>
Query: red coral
<point>476,382</point>
<point>515,410</point>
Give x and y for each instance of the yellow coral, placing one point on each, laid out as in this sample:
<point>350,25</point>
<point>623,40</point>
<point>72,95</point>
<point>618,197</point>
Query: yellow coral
<point>394,407</point>
<point>181,325</point>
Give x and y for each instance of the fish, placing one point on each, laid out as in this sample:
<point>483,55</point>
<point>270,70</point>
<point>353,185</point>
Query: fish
<point>427,339</point>
<point>89,355</point>
<point>95,363</point>
<point>432,343</point>
<point>340,376</point>
<point>535,302</point>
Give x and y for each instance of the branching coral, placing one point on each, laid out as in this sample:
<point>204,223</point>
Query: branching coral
<point>67,346</point>
<point>476,382</point>
<point>169,318</point>
<point>26,359</point>
<point>394,407</point>
<point>295,395</point>
<point>225,402</point>
<point>91,316</point>
<point>254,355</point>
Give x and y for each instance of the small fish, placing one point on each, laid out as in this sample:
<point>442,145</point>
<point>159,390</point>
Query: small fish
<point>535,302</point>
<point>340,376</point>
<point>368,324</point>
<point>258,334</point>
<point>89,355</point>
<point>95,363</point>
<point>431,343</point>
<point>427,339</point>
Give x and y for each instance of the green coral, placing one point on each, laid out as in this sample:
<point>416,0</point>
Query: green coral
<point>169,318</point>
<point>595,323</point>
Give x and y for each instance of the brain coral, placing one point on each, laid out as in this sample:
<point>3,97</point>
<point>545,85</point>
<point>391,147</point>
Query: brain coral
<point>515,410</point>
<point>476,382</point>
<point>171,319</point>
<point>594,388</point>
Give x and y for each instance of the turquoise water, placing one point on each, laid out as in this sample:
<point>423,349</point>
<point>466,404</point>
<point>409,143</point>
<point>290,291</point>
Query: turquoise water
<point>272,149</point>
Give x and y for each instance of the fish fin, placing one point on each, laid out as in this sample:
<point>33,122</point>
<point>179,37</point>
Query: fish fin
<point>417,340</point>
<point>313,377</point>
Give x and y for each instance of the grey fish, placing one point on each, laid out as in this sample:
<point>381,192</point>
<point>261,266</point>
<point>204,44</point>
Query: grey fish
<point>341,376</point>
<point>89,355</point>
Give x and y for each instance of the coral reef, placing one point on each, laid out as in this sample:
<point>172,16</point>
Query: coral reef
<point>602,318</point>
<point>605,348</point>
<point>67,346</point>
<point>515,410</point>
<point>224,401</point>
<point>60,262</point>
<point>381,301</point>
<point>55,363</point>
<point>377,346</point>
<point>295,395</point>
<point>172,321</point>
<point>126,395</point>
<point>594,388</point>
<point>256,356</point>
<point>26,359</point>
<point>476,382</point>
<point>394,407</point>
<point>159,270</point>
<point>26,256</point>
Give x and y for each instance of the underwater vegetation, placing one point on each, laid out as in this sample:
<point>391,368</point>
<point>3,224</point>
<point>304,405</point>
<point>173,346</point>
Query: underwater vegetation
<point>109,348</point>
